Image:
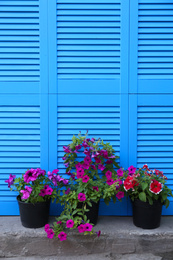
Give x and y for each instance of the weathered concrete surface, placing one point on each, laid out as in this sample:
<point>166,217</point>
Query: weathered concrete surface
<point>119,237</point>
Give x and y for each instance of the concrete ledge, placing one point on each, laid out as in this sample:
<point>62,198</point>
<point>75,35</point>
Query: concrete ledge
<point>119,237</point>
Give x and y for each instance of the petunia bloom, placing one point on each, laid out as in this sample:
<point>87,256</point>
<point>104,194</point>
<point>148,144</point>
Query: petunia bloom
<point>50,234</point>
<point>155,187</point>
<point>70,223</point>
<point>95,188</point>
<point>62,236</point>
<point>26,193</point>
<point>108,175</point>
<point>30,175</point>
<point>101,167</point>
<point>10,181</point>
<point>120,172</point>
<point>120,195</point>
<point>131,170</point>
<point>81,197</point>
<point>110,182</point>
<point>85,178</point>
<point>88,227</point>
<point>81,228</point>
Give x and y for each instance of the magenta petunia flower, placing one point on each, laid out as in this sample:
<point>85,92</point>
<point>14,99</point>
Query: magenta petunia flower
<point>30,175</point>
<point>78,147</point>
<point>110,182</point>
<point>120,195</point>
<point>85,178</point>
<point>66,149</point>
<point>95,188</point>
<point>48,191</point>
<point>85,166</point>
<point>87,160</point>
<point>84,144</point>
<point>50,234</point>
<point>97,160</point>
<point>92,140</point>
<point>10,181</point>
<point>67,191</point>
<point>131,170</point>
<point>46,227</point>
<point>101,167</point>
<point>65,181</point>
<point>81,228</point>
<point>55,171</point>
<point>59,222</point>
<point>70,223</point>
<point>26,193</point>
<point>66,164</point>
<point>81,197</point>
<point>78,166</point>
<point>64,158</point>
<point>62,236</point>
<point>88,227</point>
<point>104,154</point>
<point>93,167</point>
<point>108,175</point>
<point>120,172</point>
<point>109,162</point>
<point>42,193</point>
<point>87,152</point>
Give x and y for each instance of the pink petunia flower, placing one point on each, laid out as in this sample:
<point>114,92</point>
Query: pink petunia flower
<point>81,228</point>
<point>30,175</point>
<point>66,149</point>
<point>62,236</point>
<point>67,191</point>
<point>55,171</point>
<point>108,175</point>
<point>131,170</point>
<point>120,195</point>
<point>120,172</point>
<point>78,166</point>
<point>85,178</point>
<point>88,227</point>
<point>81,197</point>
<point>85,166</point>
<point>50,234</point>
<point>97,160</point>
<point>59,222</point>
<point>110,182</point>
<point>101,167</point>
<point>87,160</point>
<point>10,181</point>
<point>46,227</point>
<point>70,223</point>
<point>26,193</point>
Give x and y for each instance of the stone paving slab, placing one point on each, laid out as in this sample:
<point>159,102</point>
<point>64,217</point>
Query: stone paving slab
<point>119,237</point>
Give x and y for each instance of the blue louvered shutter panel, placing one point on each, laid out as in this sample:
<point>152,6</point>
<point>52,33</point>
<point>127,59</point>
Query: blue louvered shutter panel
<point>151,140</point>
<point>20,88</point>
<point>88,74</point>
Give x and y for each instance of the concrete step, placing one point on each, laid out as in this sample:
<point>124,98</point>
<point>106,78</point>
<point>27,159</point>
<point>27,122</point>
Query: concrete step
<point>119,239</point>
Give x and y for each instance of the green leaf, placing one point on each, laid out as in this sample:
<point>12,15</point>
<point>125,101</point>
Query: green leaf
<point>142,196</point>
<point>144,185</point>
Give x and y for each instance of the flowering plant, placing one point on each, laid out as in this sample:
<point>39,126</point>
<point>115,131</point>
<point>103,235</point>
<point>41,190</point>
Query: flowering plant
<point>35,185</point>
<point>146,185</point>
<point>91,166</point>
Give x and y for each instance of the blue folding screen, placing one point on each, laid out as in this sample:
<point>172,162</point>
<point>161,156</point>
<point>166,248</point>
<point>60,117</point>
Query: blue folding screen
<point>75,65</point>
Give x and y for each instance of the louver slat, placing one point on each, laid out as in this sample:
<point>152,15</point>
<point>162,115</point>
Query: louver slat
<point>19,40</point>
<point>88,30</point>
<point>19,145</point>
<point>155,25</point>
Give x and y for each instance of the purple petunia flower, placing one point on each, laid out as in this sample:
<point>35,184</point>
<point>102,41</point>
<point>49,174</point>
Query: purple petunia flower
<point>67,191</point>
<point>85,166</point>
<point>95,188</point>
<point>26,193</point>
<point>81,197</point>
<point>65,181</point>
<point>10,181</point>
<point>88,227</point>
<point>70,223</point>
<point>120,172</point>
<point>66,149</point>
<point>62,236</point>
<point>101,167</point>
<point>85,178</point>
<point>50,234</point>
<point>46,227</point>
<point>81,228</point>
<point>108,175</point>
<point>110,182</point>
<point>120,195</point>
<point>131,170</point>
<point>87,160</point>
<point>30,175</point>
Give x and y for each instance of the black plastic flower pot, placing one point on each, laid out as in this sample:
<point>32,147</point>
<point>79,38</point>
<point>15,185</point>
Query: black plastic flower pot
<point>34,215</point>
<point>147,216</point>
<point>92,214</point>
